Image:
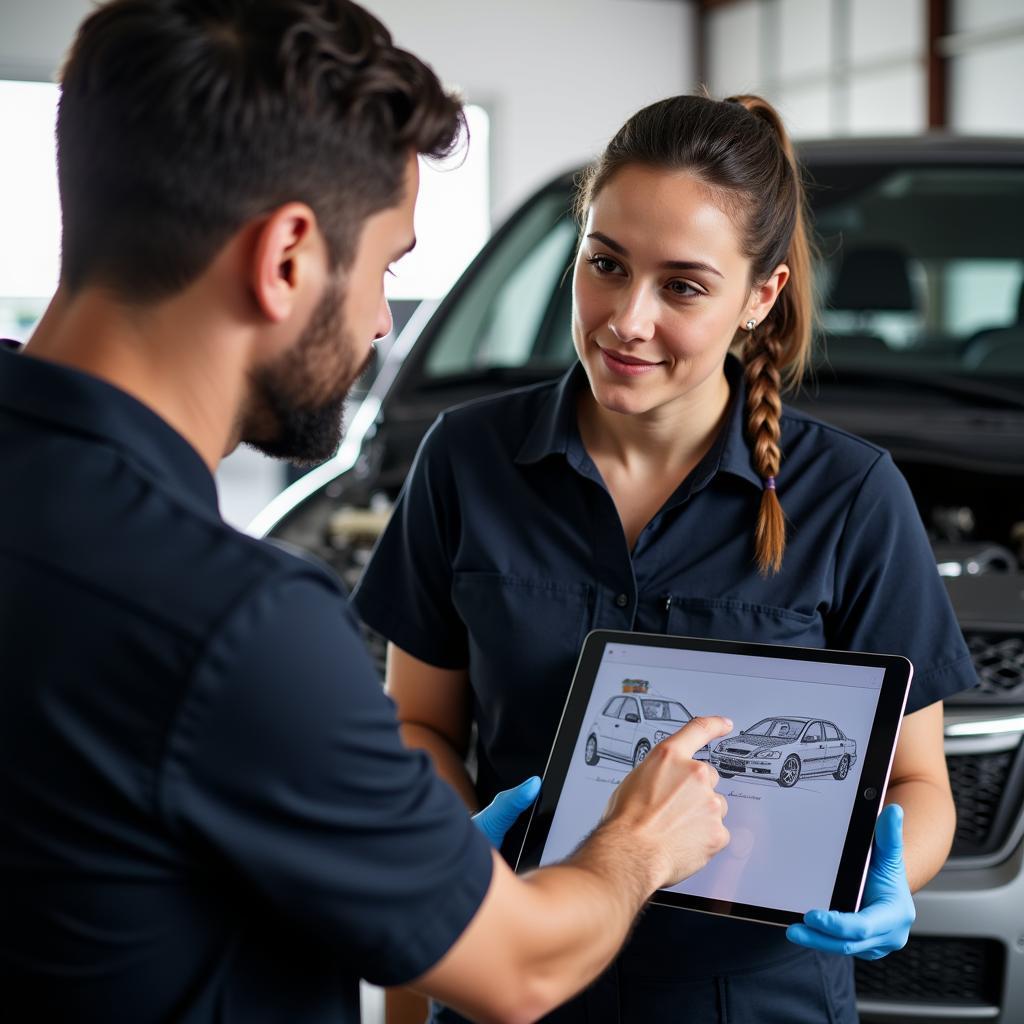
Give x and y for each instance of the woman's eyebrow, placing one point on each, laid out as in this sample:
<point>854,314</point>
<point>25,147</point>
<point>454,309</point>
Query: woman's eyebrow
<point>667,265</point>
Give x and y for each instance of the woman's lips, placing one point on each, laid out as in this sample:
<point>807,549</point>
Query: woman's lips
<point>626,366</point>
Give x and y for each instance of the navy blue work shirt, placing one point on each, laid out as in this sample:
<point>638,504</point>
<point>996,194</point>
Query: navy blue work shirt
<point>206,813</point>
<point>505,549</point>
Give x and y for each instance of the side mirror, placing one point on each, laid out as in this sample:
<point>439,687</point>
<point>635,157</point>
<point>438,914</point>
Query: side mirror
<point>632,717</point>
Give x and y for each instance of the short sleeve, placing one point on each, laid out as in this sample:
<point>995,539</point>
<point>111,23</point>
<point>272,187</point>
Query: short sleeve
<point>286,760</point>
<point>889,596</point>
<point>405,594</point>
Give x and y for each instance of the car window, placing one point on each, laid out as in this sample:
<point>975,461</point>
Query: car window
<point>510,314</point>
<point>664,711</point>
<point>813,734</point>
<point>629,707</point>
<point>776,728</point>
<point>613,707</point>
<point>922,269</point>
<point>831,732</point>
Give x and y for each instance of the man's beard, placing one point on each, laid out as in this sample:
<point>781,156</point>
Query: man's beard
<point>296,424</point>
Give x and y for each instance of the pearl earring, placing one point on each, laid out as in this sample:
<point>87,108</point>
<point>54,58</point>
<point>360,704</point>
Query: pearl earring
<point>751,324</point>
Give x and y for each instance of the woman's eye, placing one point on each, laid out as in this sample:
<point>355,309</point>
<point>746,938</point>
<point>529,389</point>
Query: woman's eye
<point>683,289</point>
<point>603,264</point>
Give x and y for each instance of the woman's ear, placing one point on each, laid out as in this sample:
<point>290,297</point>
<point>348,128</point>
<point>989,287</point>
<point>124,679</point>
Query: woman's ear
<point>763,296</point>
<point>286,260</point>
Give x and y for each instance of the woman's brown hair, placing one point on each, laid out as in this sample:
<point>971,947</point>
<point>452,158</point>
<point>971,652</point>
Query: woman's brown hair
<point>740,149</point>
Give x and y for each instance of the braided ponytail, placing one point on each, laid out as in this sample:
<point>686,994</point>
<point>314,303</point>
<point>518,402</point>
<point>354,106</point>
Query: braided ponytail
<point>740,147</point>
<point>779,347</point>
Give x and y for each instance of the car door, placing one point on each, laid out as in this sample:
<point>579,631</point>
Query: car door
<point>812,748</point>
<point>834,746</point>
<point>608,726</point>
<point>629,723</point>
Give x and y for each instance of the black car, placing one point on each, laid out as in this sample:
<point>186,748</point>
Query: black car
<point>921,350</point>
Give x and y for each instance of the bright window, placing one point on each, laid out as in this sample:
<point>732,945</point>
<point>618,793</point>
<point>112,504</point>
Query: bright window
<point>29,205</point>
<point>452,215</point>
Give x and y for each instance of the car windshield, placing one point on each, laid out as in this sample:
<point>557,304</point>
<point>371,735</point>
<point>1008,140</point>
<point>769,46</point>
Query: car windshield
<point>665,711</point>
<point>776,728</point>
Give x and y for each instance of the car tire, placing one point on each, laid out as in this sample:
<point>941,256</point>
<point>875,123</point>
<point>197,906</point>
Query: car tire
<point>590,754</point>
<point>842,769</point>
<point>726,775</point>
<point>643,748</point>
<point>789,773</point>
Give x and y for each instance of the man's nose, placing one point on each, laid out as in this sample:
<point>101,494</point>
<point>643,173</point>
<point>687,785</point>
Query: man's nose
<point>384,320</point>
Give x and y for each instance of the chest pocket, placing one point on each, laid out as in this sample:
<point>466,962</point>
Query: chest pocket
<point>524,640</point>
<point>724,618</point>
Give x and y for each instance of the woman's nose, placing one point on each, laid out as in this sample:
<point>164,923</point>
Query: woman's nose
<point>634,318</point>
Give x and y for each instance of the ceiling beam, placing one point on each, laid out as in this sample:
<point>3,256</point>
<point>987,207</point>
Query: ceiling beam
<point>938,64</point>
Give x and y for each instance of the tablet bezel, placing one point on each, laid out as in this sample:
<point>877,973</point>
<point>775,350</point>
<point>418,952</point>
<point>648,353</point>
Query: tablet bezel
<point>877,761</point>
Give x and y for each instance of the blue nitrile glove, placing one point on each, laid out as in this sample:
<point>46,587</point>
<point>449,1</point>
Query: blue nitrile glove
<point>501,813</point>
<point>883,923</point>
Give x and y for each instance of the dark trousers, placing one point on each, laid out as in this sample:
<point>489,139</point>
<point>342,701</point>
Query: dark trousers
<point>810,988</point>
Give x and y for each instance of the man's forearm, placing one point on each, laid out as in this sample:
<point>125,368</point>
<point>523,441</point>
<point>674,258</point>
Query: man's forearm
<point>547,935</point>
<point>596,893</point>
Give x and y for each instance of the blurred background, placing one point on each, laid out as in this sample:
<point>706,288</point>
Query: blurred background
<point>547,82</point>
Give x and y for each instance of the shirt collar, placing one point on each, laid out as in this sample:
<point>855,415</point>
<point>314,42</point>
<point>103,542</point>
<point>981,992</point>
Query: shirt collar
<point>554,429</point>
<point>77,402</point>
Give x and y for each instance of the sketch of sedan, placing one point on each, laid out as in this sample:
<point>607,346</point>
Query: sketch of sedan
<point>630,725</point>
<point>785,750</point>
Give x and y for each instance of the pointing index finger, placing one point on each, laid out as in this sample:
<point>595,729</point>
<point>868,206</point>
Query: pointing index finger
<point>700,731</point>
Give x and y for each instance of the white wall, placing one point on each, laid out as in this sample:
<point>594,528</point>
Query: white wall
<point>557,76</point>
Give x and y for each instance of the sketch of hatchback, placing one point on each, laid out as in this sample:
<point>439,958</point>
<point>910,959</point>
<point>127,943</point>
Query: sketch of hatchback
<point>785,750</point>
<point>630,725</point>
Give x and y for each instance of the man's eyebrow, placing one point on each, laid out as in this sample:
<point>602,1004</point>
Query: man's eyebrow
<point>667,265</point>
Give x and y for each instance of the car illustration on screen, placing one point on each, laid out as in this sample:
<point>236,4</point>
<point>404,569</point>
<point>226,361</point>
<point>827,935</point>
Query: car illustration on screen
<point>630,725</point>
<point>785,750</point>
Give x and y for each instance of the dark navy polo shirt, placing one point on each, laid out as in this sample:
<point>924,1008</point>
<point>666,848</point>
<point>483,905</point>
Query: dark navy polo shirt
<point>206,812</point>
<point>505,549</point>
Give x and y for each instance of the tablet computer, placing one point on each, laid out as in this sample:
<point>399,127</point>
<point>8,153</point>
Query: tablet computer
<point>804,769</point>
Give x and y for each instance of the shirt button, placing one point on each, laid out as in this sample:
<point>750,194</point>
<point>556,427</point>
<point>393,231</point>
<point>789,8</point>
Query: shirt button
<point>622,600</point>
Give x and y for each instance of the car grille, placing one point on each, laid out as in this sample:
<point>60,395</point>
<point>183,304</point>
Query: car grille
<point>986,792</point>
<point>936,970</point>
<point>999,662</point>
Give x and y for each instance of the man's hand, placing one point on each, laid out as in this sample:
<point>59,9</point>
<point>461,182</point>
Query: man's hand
<point>884,922</point>
<point>667,807</point>
<point>501,813</point>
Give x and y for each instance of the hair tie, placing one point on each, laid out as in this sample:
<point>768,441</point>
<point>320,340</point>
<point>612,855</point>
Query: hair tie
<point>769,483</point>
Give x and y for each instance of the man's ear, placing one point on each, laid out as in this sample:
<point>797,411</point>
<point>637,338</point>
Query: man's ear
<point>287,254</point>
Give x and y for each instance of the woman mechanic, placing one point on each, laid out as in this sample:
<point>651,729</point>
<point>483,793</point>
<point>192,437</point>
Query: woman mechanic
<point>661,486</point>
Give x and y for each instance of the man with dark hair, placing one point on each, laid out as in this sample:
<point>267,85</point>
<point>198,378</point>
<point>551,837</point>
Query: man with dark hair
<point>206,813</point>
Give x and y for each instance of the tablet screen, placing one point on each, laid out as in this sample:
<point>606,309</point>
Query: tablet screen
<point>790,769</point>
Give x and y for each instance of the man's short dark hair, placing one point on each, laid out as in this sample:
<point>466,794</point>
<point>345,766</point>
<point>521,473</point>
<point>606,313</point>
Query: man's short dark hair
<point>181,120</point>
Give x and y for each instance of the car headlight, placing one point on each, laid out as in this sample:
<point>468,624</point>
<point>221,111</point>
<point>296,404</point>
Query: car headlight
<point>767,753</point>
<point>659,736</point>
<point>719,746</point>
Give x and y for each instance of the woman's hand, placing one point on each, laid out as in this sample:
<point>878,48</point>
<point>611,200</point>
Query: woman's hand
<point>883,924</point>
<point>501,813</point>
